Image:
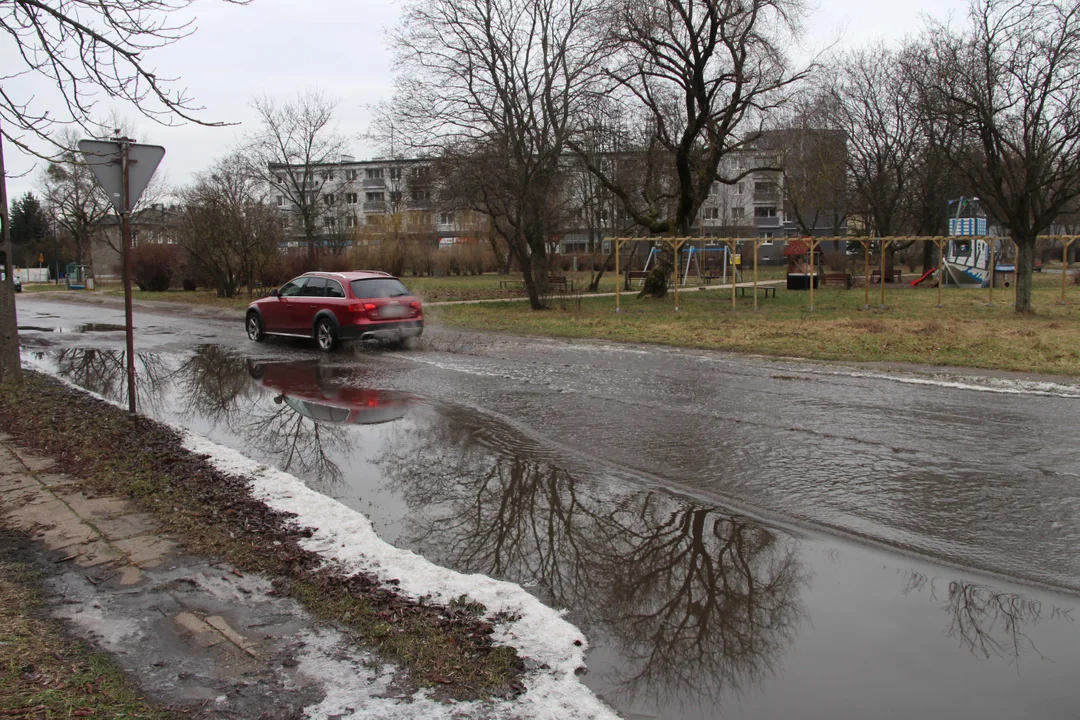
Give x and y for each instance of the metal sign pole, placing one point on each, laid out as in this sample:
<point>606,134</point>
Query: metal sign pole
<point>125,221</point>
<point>755,244</point>
<point>992,272</point>
<point>618,276</point>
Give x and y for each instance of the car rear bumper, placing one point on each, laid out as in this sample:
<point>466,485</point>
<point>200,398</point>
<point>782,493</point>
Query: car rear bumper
<point>382,331</point>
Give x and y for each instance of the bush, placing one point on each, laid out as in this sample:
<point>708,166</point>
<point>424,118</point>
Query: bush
<point>153,266</point>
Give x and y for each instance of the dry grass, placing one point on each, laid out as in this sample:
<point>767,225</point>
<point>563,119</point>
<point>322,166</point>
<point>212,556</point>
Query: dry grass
<point>966,332</point>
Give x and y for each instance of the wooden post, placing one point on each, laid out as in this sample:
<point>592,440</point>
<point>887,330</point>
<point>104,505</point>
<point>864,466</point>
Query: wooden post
<point>812,246</point>
<point>755,244</point>
<point>734,273</point>
<point>990,243</point>
<point>866,280</point>
<point>884,244</point>
<point>940,269</point>
<point>618,276</point>
<point>676,244</point>
<point>1065,265</point>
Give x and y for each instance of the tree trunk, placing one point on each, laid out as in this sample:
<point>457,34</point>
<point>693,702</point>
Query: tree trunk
<point>657,282</point>
<point>597,275</point>
<point>929,251</point>
<point>10,368</point>
<point>1025,266</point>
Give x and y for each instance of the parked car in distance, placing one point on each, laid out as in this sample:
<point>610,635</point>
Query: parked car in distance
<point>334,307</point>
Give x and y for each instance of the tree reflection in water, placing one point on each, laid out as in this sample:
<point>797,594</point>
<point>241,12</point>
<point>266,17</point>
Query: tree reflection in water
<point>698,603</point>
<point>985,621</point>
<point>216,385</point>
<point>105,373</point>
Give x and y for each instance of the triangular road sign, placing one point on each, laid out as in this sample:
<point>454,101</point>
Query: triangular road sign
<point>103,157</point>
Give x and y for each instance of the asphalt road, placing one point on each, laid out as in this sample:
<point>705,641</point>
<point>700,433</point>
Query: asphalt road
<point>911,490</point>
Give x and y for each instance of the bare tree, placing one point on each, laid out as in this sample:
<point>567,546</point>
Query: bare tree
<point>1003,96</point>
<point>868,98</point>
<point>85,50</point>
<point>226,228</point>
<point>73,196</point>
<point>491,86</point>
<point>292,151</point>
<point>700,74</point>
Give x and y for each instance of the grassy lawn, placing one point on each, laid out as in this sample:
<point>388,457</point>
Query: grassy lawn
<point>965,332</point>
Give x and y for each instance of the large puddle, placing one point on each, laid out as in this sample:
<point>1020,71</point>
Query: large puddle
<point>691,611</point>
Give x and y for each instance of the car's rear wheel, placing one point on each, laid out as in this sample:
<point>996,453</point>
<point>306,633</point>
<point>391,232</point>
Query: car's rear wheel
<point>325,335</point>
<point>254,327</point>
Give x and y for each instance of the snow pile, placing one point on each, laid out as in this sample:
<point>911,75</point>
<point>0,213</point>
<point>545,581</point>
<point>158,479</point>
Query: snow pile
<point>538,633</point>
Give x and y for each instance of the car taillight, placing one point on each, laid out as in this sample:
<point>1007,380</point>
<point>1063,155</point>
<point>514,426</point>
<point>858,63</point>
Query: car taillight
<point>359,308</point>
<point>415,305</point>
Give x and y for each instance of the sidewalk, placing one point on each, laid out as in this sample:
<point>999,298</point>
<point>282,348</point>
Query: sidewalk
<point>194,636</point>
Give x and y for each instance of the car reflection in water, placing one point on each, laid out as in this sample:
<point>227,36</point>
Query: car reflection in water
<point>306,388</point>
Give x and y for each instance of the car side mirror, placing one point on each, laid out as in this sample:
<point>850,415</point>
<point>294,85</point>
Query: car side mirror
<point>275,293</point>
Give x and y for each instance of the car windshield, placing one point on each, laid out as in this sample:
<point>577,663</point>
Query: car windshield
<point>379,288</point>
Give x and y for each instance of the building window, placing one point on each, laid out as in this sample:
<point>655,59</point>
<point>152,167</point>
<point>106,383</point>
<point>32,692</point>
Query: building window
<point>374,173</point>
<point>328,175</point>
<point>328,222</point>
<point>350,221</point>
<point>395,173</point>
<point>350,198</point>
<point>373,197</point>
<point>739,188</point>
<point>710,213</point>
<point>280,200</point>
<point>765,212</point>
<point>328,199</point>
<point>446,218</point>
<point>279,179</point>
<point>285,222</point>
<point>421,195</point>
<point>350,174</point>
<point>736,212</point>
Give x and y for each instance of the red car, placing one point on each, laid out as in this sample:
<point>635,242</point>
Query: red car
<point>302,386</point>
<point>332,307</point>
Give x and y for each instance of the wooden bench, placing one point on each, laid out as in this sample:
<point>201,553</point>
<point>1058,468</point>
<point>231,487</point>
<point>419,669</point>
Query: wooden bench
<point>511,284</point>
<point>636,275</point>
<point>769,290</point>
<point>841,279</point>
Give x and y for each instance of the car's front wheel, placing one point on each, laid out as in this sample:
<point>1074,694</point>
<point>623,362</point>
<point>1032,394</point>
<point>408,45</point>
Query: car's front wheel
<point>325,335</point>
<point>255,327</point>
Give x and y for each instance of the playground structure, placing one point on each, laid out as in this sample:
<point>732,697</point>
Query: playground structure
<point>694,261</point>
<point>810,260</point>
<point>79,277</point>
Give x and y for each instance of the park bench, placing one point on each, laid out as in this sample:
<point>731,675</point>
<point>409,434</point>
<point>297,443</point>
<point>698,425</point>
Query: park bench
<point>769,290</point>
<point>636,275</point>
<point>560,283</point>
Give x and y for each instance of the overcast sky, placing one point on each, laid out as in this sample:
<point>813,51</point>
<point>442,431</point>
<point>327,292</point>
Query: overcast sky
<point>339,46</point>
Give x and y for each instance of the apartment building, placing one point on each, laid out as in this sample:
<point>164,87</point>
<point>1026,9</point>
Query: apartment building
<point>367,201</point>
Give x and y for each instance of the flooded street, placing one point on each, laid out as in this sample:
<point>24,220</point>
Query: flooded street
<point>738,537</point>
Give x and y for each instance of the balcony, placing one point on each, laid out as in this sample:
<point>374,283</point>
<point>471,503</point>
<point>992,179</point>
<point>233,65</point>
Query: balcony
<point>374,206</point>
<point>374,182</point>
<point>766,197</point>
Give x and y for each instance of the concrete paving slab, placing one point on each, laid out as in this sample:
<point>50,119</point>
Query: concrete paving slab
<point>68,531</point>
<point>123,527</point>
<point>33,462</point>
<point>95,508</point>
<point>147,551</point>
<point>222,626</point>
